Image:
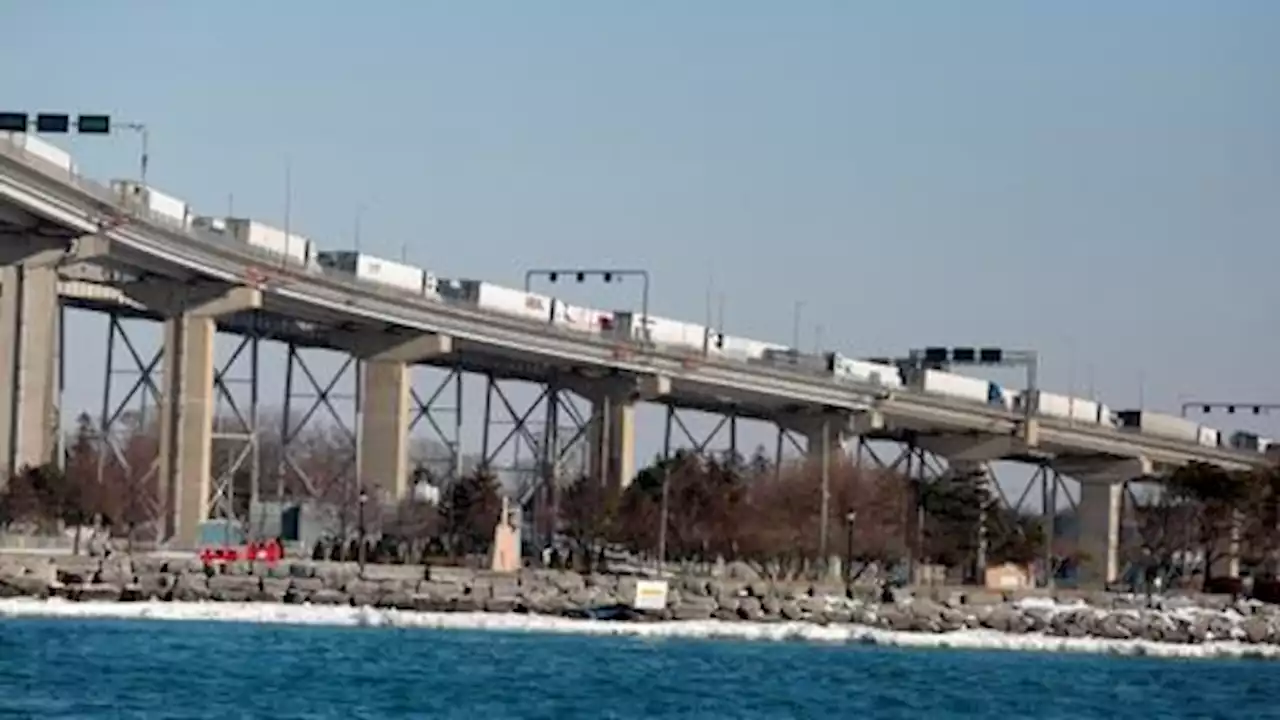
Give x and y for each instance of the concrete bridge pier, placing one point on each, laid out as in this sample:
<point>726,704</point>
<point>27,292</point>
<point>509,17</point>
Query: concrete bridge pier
<point>30,319</point>
<point>387,361</point>
<point>1100,510</point>
<point>187,395</point>
<point>611,434</point>
<point>970,456</point>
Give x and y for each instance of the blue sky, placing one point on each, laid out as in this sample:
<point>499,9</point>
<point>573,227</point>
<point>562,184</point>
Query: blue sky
<point>1098,181</point>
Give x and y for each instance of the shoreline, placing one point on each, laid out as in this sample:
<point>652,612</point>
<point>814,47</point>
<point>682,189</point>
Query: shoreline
<point>785,631</point>
<point>418,596</point>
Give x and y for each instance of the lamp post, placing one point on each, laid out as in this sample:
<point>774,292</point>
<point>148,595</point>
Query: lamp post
<point>797,312</point>
<point>553,275</point>
<point>849,519</point>
<point>145,135</point>
<point>360,555</point>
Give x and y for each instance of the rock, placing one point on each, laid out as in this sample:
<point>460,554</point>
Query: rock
<point>749,608</point>
<point>273,590</point>
<point>771,607</point>
<point>738,570</point>
<point>329,597</point>
<point>153,585</point>
<point>503,604</point>
<point>97,592</point>
<point>1256,630</point>
<point>397,600</point>
<point>75,577</point>
<point>306,585</point>
<point>362,592</point>
<point>983,598</point>
<point>234,588</point>
<point>692,612</point>
<point>190,588</point>
<point>33,586</point>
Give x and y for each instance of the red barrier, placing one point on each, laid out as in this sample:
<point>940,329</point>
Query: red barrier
<point>269,552</point>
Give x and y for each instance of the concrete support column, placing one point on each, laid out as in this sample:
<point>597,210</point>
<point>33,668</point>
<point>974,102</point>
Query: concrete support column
<point>186,429</point>
<point>383,435</point>
<point>1226,560</point>
<point>611,436</point>
<point>612,439</point>
<point>384,432</point>
<point>29,317</point>
<point>1099,508</point>
<point>835,432</point>
<point>1101,504</point>
<point>187,395</point>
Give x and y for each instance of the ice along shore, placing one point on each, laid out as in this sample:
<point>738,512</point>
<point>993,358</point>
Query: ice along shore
<point>561,600</point>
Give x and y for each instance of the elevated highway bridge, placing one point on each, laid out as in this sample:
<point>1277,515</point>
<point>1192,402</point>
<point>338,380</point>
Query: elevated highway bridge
<point>63,236</point>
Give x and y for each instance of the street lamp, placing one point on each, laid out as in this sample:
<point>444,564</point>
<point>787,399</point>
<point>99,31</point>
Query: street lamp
<point>850,518</point>
<point>608,275</point>
<point>797,311</point>
<point>364,498</point>
<point>145,135</point>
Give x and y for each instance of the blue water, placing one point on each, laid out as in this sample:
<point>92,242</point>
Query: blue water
<point>151,669</point>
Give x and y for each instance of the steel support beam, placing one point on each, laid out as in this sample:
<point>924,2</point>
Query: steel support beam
<point>536,448</point>
<point>237,447</point>
<point>301,472</point>
<point>127,448</point>
<point>439,412</point>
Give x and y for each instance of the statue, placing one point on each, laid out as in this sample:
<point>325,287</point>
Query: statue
<point>506,540</point>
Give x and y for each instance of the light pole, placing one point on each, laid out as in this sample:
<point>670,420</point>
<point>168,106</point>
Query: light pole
<point>662,517</point>
<point>664,507</point>
<point>608,275</point>
<point>797,312</point>
<point>825,520</point>
<point>849,519</point>
<point>145,136</point>
<point>360,555</point>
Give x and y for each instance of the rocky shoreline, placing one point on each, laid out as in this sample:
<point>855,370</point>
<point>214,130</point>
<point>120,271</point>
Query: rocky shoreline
<point>1169,619</point>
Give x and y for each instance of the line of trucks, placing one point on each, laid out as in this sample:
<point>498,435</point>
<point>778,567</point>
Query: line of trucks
<point>629,326</point>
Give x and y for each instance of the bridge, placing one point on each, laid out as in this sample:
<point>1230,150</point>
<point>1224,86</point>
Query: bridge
<point>65,238</point>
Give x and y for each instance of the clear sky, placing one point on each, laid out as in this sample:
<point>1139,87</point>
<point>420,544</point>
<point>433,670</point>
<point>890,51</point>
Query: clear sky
<point>1099,181</point>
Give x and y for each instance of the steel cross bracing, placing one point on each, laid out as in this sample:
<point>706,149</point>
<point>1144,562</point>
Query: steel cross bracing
<point>127,447</point>
<point>920,467</point>
<point>726,424</point>
<point>1152,525</point>
<point>305,469</point>
<point>236,474</point>
<point>1051,485</point>
<point>84,206</point>
<point>552,430</point>
<point>440,412</point>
